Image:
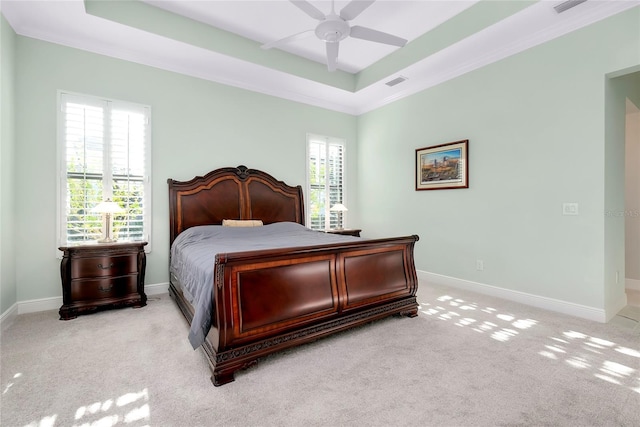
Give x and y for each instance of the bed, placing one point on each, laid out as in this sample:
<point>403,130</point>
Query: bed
<point>276,296</point>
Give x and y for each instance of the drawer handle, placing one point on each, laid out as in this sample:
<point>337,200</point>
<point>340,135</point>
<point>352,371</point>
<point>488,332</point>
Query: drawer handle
<point>101,289</point>
<point>105,268</point>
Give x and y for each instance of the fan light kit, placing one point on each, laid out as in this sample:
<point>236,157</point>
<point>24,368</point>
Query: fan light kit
<point>333,28</point>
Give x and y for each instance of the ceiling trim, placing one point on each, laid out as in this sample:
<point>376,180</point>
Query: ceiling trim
<point>477,17</point>
<point>456,60</point>
<point>531,26</point>
<point>146,17</point>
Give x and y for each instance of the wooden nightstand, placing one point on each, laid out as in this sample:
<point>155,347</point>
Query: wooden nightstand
<point>98,276</point>
<point>345,231</point>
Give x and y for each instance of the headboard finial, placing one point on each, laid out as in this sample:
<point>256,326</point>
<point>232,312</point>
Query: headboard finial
<point>242,171</point>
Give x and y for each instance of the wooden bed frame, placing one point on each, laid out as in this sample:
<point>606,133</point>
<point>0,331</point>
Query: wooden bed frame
<point>269,300</point>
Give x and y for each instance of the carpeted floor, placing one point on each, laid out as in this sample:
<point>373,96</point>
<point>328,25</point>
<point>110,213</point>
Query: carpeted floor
<point>466,360</point>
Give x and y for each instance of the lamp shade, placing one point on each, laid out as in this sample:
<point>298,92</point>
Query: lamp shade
<point>338,207</point>
<point>107,207</point>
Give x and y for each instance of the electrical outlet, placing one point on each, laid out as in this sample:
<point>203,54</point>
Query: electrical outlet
<point>479,265</point>
<point>570,209</point>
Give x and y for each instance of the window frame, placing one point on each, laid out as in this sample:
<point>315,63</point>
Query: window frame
<point>109,105</point>
<point>328,141</point>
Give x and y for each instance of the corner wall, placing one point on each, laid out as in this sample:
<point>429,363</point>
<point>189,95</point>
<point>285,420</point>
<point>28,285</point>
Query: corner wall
<point>8,291</point>
<point>536,125</point>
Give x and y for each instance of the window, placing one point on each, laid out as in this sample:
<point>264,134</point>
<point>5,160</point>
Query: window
<point>325,181</point>
<point>104,153</point>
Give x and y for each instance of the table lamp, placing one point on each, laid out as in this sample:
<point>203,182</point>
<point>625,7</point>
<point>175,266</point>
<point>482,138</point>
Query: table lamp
<point>107,208</point>
<point>339,207</point>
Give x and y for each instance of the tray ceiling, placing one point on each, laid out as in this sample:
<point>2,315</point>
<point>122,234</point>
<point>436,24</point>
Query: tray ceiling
<point>220,41</point>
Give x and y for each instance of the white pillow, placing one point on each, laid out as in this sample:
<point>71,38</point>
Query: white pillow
<point>241,222</point>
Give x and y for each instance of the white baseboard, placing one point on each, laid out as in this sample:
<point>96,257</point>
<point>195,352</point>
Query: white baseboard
<point>559,306</point>
<point>42,304</point>
<point>612,309</point>
<point>54,303</point>
<point>157,288</point>
<point>632,284</point>
<point>551,304</point>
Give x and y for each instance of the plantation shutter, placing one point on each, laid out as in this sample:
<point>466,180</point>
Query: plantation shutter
<point>128,137</point>
<point>84,135</point>
<point>325,183</point>
<point>105,146</point>
<point>334,182</point>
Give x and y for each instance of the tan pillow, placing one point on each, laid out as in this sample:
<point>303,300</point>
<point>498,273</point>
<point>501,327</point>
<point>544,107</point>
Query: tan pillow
<point>241,222</point>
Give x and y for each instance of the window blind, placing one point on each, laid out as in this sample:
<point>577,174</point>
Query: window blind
<point>325,183</point>
<point>105,146</point>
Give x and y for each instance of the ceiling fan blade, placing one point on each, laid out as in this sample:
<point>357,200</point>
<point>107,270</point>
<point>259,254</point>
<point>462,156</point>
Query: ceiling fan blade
<point>355,8</point>
<point>309,9</point>
<point>332,55</point>
<point>286,40</point>
<point>376,36</point>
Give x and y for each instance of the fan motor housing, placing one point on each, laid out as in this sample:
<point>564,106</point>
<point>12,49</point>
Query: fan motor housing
<point>333,29</point>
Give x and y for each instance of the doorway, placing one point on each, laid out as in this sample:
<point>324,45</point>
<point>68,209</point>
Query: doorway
<point>632,203</point>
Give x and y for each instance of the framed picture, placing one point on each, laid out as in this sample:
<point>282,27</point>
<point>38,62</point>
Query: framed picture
<point>443,166</point>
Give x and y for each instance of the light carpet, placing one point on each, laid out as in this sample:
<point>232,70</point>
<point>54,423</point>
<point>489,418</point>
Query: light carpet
<point>466,360</point>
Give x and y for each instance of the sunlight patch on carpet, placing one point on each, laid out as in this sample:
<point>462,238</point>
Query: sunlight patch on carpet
<point>500,326</point>
<point>9,385</point>
<point>608,361</point>
<point>602,358</point>
<point>49,421</point>
<point>125,409</point>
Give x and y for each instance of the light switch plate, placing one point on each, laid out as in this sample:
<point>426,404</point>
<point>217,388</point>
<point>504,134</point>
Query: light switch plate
<point>569,209</point>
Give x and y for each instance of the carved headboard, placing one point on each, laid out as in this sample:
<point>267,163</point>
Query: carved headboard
<point>232,193</point>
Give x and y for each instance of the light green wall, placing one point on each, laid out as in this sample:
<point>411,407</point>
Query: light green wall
<point>8,290</point>
<point>197,126</point>
<point>536,124</point>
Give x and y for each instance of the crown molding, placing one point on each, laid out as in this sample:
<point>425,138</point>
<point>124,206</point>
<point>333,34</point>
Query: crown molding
<point>528,28</point>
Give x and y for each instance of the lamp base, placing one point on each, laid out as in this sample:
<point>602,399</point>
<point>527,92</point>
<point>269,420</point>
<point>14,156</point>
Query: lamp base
<point>107,240</point>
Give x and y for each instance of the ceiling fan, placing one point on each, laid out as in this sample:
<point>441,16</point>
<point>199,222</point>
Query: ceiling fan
<point>332,28</point>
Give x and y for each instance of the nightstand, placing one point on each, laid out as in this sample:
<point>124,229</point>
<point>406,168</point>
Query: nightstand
<point>98,276</point>
<point>345,231</point>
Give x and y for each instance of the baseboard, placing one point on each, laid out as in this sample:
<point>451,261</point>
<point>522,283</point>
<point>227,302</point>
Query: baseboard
<point>613,309</point>
<point>559,306</point>
<point>54,303</point>
<point>42,304</point>
<point>156,288</point>
<point>632,284</point>
<point>551,304</point>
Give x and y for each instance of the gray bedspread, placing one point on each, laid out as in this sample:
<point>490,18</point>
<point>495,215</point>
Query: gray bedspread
<point>193,256</point>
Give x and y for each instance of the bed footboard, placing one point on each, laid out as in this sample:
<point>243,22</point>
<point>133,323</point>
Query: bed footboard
<point>266,301</point>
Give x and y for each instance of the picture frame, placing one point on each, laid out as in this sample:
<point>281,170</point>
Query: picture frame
<point>444,166</point>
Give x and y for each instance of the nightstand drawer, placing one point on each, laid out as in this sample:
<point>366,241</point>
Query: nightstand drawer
<point>104,266</point>
<point>113,287</point>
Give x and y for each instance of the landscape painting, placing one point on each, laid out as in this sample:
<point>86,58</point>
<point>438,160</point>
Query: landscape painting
<point>443,166</point>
